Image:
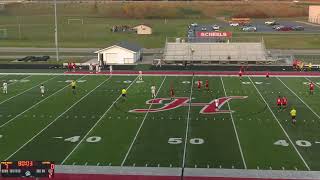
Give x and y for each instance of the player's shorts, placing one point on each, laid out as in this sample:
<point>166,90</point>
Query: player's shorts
<point>124,95</point>
<point>42,91</point>
<point>267,76</point>
<point>284,104</point>
<point>73,87</point>
<point>5,89</point>
<point>311,89</point>
<point>293,117</point>
<point>279,104</point>
<point>153,92</point>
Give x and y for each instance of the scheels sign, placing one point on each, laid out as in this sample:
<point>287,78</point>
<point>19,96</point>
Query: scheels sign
<point>214,34</point>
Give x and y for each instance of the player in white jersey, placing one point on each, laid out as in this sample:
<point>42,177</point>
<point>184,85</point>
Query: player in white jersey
<point>140,76</point>
<point>42,90</point>
<point>153,91</point>
<point>5,87</point>
<point>216,102</point>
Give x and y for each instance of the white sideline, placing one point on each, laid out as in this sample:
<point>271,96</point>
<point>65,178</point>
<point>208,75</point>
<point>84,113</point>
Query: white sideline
<point>145,116</point>
<point>55,118</point>
<point>234,127</point>
<point>299,98</point>
<point>2,125</point>
<point>103,115</point>
<point>275,117</point>
<point>26,90</point>
<point>187,129</point>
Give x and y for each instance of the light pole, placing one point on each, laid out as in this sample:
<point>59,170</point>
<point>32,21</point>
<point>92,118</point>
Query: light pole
<point>56,29</point>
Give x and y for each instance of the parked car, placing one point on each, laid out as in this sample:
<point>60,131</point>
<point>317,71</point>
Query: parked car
<point>215,27</point>
<point>284,28</point>
<point>298,28</point>
<point>249,29</point>
<point>34,58</point>
<point>203,29</point>
<point>194,24</point>
<point>271,23</point>
<point>234,24</point>
<point>277,26</point>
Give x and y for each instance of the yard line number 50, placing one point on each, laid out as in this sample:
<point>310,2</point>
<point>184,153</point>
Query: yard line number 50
<point>191,141</point>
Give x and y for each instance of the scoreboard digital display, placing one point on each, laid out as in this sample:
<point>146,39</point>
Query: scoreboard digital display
<point>27,169</point>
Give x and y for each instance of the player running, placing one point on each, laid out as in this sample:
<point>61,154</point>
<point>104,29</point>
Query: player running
<point>5,87</point>
<point>199,83</point>
<point>216,103</point>
<point>140,76</point>
<point>207,85</point>
<point>124,93</point>
<point>311,88</point>
<point>73,86</point>
<point>42,90</point>
<point>284,102</point>
<point>279,103</point>
<point>172,93</point>
<point>153,91</point>
<point>293,114</point>
<point>240,74</point>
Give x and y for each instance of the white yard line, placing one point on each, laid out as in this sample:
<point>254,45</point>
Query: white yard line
<point>145,116</point>
<point>284,131</point>
<point>299,98</point>
<point>2,125</point>
<point>187,129</point>
<point>27,90</point>
<point>103,115</point>
<point>57,118</point>
<point>234,127</point>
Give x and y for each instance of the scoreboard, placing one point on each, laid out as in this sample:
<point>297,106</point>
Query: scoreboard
<point>27,169</point>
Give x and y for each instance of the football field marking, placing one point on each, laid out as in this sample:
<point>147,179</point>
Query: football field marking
<point>284,131</point>
<point>103,115</point>
<point>27,90</point>
<point>234,127</point>
<point>58,117</point>
<point>4,124</point>
<point>144,118</point>
<point>299,98</point>
<point>187,129</point>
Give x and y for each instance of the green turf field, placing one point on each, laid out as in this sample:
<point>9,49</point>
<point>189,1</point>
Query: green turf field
<point>95,127</point>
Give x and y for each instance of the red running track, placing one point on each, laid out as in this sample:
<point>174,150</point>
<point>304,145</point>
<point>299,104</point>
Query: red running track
<point>214,73</point>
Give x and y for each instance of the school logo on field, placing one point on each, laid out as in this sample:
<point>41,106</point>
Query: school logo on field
<point>208,108</point>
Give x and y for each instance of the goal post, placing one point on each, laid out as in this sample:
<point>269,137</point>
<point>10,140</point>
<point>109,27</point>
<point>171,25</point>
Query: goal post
<point>3,33</point>
<point>75,21</point>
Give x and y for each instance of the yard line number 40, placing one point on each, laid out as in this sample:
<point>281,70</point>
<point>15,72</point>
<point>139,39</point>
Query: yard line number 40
<point>301,143</point>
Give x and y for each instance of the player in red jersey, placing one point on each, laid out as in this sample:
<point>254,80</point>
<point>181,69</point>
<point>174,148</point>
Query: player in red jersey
<point>284,103</point>
<point>311,87</point>
<point>240,74</point>
<point>172,93</point>
<point>199,83</point>
<point>267,75</point>
<point>207,85</point>
<point>279,103</point>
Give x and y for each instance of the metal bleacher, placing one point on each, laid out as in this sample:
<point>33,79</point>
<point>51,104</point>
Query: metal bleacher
<point>216,53</point>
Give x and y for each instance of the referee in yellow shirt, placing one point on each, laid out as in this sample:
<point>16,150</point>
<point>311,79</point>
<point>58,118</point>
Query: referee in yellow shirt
<point>73,86</point>
<point>124,93</point>
<point>293,114</point>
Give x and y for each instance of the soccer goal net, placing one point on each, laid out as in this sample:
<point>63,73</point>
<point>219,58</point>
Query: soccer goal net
<point>75,21</point>
<point>3,33</point>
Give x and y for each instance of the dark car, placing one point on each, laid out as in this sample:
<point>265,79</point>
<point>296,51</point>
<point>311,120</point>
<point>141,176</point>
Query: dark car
<point>34,58</point>
<point>27,58</point>
<point>298,28</point>
<point>285,28</point>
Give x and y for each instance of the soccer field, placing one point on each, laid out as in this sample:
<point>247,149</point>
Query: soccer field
<point>98,127</point>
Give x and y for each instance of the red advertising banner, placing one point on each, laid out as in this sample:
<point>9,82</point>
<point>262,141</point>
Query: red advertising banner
<point>214,34</point>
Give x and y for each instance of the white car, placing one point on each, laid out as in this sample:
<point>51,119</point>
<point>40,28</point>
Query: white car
<point>234,24</point>
<point>194,24</point>
<point>270,23</point>
<point>215,27</point>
